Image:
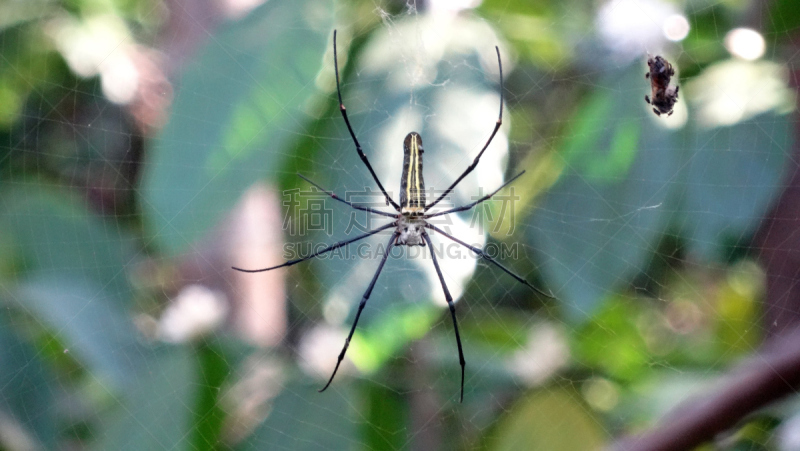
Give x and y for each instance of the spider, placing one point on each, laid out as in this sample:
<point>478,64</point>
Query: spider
<point>664,96</point>
<point>410,222</point>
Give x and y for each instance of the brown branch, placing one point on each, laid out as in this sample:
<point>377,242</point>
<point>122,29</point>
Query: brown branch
<point>771,375</point>
<point>778,244</point>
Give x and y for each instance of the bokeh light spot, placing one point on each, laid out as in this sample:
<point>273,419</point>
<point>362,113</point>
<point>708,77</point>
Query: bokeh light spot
<point>676,27</point>
<point>745,43</point>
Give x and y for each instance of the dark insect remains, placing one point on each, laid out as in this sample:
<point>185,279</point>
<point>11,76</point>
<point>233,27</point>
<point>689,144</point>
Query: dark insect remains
<point>663,96</point>
<point>409,225</point>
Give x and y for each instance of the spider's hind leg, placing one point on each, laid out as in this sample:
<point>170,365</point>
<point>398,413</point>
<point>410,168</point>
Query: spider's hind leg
<point>491,260</point>
<point>452,306</point>
<point>361,308</point>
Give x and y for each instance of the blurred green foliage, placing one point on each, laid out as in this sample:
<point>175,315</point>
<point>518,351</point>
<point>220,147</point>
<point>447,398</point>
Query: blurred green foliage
<point>639,225</point>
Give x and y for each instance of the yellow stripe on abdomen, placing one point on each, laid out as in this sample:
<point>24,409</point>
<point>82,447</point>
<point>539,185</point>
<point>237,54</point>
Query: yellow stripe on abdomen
<point>412,190</point>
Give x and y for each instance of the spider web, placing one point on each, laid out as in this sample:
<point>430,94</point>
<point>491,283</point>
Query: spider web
<point>125,327</point>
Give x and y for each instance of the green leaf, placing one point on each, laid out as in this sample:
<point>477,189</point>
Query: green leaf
<point>386,336</point>
<point>654,397</point>
<point>387,418</point>
<point>26,388</point>
<point>50,233</point>
<point>301,419</point>
<point>733,174</point>
<point>14,13</point>
<point>83,317</point>
<point>156,409</point>
<point>600,223</point>
<point>534,29</point>
<point>70,274</point>
<point>238,109</point>
<point>782,20</point>
<point>26,64</point>
<point>733,154</point>
<point>548,420</point>
<point>613,341</point>
<point>214,369</point>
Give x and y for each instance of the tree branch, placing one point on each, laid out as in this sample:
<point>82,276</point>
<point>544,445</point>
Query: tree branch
<point>771,375</point>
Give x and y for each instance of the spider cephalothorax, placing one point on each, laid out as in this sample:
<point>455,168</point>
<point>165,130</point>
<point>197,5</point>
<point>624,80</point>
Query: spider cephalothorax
<point>410,219</point>
<point>663,96</point>
<point>410,229</point>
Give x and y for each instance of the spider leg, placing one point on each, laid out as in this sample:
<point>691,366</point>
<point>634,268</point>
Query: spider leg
<point>343,110</point>
<point>357,207</point>
<point>647,75</point>
<point>491,137</point>
<point>327,249</point>
<point>361,308</point>
<point>482,199</point>
<point>658,113</point>
<point>452,306</point>
<point>491,260</point>
<point>647,99</point>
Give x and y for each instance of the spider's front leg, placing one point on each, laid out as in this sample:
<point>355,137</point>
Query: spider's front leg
<point>474,163</point>
<point>359,150</point>
<point>647,99</point>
